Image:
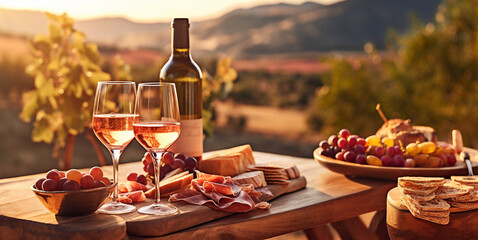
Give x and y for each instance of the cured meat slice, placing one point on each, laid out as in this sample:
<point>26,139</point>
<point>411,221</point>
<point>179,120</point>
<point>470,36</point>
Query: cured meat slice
<point>221,193</point>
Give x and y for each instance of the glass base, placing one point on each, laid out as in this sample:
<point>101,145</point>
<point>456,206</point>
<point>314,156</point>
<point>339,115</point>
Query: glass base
<point>159,209</point>
<point>116,208</point>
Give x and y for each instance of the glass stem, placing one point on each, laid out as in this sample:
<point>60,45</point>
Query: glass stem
<point>115,154</point>
<point>156,160</point>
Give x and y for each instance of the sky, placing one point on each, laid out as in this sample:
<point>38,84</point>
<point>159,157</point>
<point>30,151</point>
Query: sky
<point>142,10</point>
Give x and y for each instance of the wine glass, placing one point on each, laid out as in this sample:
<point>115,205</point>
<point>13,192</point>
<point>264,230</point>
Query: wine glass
<point>113,125</point>
<point>156,128</point>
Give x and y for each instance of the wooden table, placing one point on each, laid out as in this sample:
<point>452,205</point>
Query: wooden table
<point>328,198</point>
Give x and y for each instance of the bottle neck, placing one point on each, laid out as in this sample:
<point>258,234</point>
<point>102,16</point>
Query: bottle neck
<point>180,40</point>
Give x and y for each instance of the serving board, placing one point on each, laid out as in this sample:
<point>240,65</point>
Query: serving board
<point>392,173</point>
<point>192,215</point>
<point>22,216</point>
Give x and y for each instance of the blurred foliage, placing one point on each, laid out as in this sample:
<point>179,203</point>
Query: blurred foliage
<point>216,87</point>
<point>66,70</point>
<point>275,89</point>
<point>429,75</point>
<point>13,78</point>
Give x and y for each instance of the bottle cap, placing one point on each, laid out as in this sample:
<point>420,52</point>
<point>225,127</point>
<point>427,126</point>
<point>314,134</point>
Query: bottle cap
<point>180,22</point>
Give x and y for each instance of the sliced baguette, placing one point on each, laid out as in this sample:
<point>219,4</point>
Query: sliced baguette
<point>256,178</point>
<point>411,206</point>
<point>432,205</point>
<point>417,191</point>
<point>464,205</point>
<point>421,198</point>
<point>471,196</point>
<point>450,190</point>
<point>465,179</point>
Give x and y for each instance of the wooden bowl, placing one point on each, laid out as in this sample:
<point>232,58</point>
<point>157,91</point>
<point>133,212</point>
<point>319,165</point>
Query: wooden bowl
<point>74,203</point>
<point>402,225</point>
<point>389,173</point>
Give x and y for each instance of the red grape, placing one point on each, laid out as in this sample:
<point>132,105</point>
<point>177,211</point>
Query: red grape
<point>142,179</point>
<point>398,161</point>
<point>71,185</point>
<point>98,184</point>
<point>342,143</point>
<point>49,185</point>
<point>391,151</point>
<point>61,182</point>
<point>168,158</point>
<point>132,177</point>
<point>361,141</point>
<point>106,181</point>
<point>359,149</point>
<point>398,150</point>
<point>333,140</point>
<point>361,158</point>
<point>180,156</point>
<point>323,144</point>
<point>386,160</point>
<point>344,133</point>
<point>39,182</point>
<point>409,162</point>
<point>339,156</point>
<point>451,159</point>
<point>352,140</point>
<point>349,156</point>
<point>190,163</point>
<point>147,159</point>
<point>379,151</point>
<point>323,152</point>
<point>54,175</point>
<point>62,174</point>
<point>167,168</point>
<point>150,169</point>
<point>87,181</point>
<point>96,173</point>
<point>178,163</point>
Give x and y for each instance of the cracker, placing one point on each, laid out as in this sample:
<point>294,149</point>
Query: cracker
<point>451,190</point>
<point>411,206</point>
<point>421,198</point>
<point>465,179</point>
<point>432,205</point>
<point>421,191</point>
<point>471,196</point>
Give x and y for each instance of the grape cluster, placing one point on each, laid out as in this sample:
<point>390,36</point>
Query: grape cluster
<point>72,180</point>
<point>382,152</point>
<point>169,162</point>
<point>345,147</point>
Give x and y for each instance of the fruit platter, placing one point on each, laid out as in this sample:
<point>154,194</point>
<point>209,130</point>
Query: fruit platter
<point>397,149</point>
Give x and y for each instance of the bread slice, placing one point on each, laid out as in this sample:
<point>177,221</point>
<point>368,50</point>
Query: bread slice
<point>451,190</point>
<point>421,179</point>
<point>256,178</point>
<point>432,205</point>
<point>417,191</point>
<point>420,182</point>
<point>471,196</point>
<point>465,179</point>
<point>464,205</point>
<point>421,198</point>
<point>411,206</point>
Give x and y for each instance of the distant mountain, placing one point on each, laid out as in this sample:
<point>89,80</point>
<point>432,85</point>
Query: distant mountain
<point>266,29</point>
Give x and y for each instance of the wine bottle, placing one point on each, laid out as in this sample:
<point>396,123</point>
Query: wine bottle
<point>185,73</point>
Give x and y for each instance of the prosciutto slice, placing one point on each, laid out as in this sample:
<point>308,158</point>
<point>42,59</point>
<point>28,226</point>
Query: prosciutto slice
<point>221,193</point>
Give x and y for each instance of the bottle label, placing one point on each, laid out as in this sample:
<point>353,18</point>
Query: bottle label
<point>190,140</point>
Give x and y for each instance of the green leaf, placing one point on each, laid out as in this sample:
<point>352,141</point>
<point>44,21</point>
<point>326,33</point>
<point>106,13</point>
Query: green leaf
<point>42,132</point>
<point>55,33</point>
<point>40,81</point>
<point>30,105</point>
<point>91,51</point>
<point>99,76</point>
<point>41,43</point>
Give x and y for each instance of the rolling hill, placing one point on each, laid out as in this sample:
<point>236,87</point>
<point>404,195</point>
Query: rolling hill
<point>266,29</point>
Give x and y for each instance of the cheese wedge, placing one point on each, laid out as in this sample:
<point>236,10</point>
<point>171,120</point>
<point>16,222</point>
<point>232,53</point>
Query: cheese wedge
<point>171,185</point>
<point>228,162</point>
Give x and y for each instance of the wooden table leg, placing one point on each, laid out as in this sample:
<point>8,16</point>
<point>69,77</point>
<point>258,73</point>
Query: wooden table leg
<point>320,232</point>
<point>378,225</point>
<point>354,229</point>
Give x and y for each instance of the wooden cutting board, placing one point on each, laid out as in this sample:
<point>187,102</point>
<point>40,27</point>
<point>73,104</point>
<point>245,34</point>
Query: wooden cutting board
<point>192,215</point>
<point>22,216</point>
